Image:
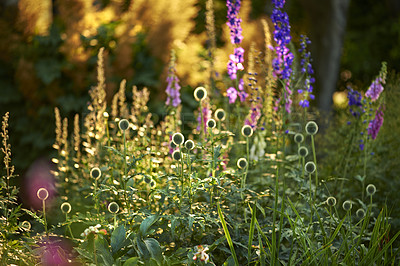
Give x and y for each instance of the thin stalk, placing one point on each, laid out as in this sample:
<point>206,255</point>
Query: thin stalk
<point>69,226</point>
<point>44,217</point>
<point>316,167</point>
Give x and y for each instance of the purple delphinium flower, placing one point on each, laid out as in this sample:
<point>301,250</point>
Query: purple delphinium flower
<point>375,89</point>
<point>172,91</point>
<point>284,58</point>
<point>242,93</point>
<point>173,87</point>
<point>232,94</point>
<point>375,125</point>
<point>234,21</point>
<point>307,70</point>
<point>235,62</point>
<point>354,102</point>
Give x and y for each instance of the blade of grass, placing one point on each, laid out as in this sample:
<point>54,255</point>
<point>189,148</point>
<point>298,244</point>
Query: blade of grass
<point>227,235</point>
<point>251,233</point>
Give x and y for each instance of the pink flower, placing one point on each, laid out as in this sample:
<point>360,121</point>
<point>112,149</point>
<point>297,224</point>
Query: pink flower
<point>375,125</point>
<point>232,94</point>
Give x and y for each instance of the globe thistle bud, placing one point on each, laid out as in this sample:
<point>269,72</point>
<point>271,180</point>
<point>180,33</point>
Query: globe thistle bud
<point>371,189</point>
<point>331,201</point>
<point>360,213</point>
<point>95,173</point>
<point>189,144</point>
<point>147,179</point>
<point>153,184</point>
<point>310,167</point>
<point>247,131</point>
<point>113,207</point>
<point>211,123</point>
<point>311,128</point>
<point>242,163</point>
<point>347,205</point>
<point>298,138</point>
<point>123,124</point>
<point>65,207</point>
<point>26,225</point>
<point>176,155</point>
<point>178,139</point>
<point>303,151</point>
<point>200,93</point>
<point>42,193</point>
<point>172,145</point>
<point>220,114</point>
<point>106,115</point>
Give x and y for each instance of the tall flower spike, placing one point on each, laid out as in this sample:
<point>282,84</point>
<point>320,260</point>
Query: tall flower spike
<point>284,58</point>
<point>375,125</point>
<point>173,87</point>
<point>307,71</point>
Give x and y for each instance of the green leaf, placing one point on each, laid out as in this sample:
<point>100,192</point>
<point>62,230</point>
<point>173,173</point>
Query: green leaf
<point>132,261</point>
<point>143,251</point>
<point>118,239</point>
<point>155,250</point>
<point>103,250</point>
<point>147,223</point>
<point>227,235</point>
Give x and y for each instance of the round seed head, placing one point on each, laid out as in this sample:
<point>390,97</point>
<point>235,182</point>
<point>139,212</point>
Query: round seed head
<point>331,201</point>
<point>298,138</point>
<point>242,163</point>
<point>123,124</point>
<point>247,131</point>
<point>66,207</point>
<point>113,207</point>
<point>95,173</point>
<point>176,155</point>
<point>147,179</point>
<point>106,115</point>
<point>347,205</point>
<point>26,225</point>
<point>178,139</point>
<point>211,123</point>
<point>172,145</point>
<point>189,144</point>
<point>310,167</point>
<point>371,189</point>
<point>200,93</point>
<point>220,114</point>
<point>311,128</point>
<point>42,193</point>
<point>153,184</point>
<point>303,151</point>
<point>360,213</point>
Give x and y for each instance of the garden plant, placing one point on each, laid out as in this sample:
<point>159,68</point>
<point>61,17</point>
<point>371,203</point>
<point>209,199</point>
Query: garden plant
<point>242,183</point>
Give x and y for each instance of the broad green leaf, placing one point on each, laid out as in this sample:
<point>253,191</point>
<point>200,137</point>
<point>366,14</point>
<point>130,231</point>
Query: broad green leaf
<point>118,238</point>
<point>147,223</point>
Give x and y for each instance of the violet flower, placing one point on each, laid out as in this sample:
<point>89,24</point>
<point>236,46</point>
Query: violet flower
<point>307,70</point>
<point>354,102</point>
<point>242,93</point>
<point>173,87</point>
<point>375,125</point>
<point>234,21</point>
<point>284,58</point>
<point>375,89</point>
<point>232,94</point>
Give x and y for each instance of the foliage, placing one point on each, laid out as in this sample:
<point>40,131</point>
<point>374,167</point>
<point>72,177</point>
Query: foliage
<point>246,187</point>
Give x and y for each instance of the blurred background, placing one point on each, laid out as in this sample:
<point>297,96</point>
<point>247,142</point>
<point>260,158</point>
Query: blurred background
<point>49,48</point>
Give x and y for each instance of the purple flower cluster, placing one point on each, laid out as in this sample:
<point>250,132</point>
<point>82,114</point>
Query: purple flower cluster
<point>234,21</point>
<point>283,62</point>
<point>375,124</point>
<point>307,70</point>
<point>173,87</point>
<point>284,58</point>
<point>375,89</point>
<point>354,102</point>
<point>172,91</point>
<point>232,93</point>
<point>235,62</point>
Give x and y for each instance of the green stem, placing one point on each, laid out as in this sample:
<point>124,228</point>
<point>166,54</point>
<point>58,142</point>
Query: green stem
<point>316,168</point>
<point>44,217</point>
